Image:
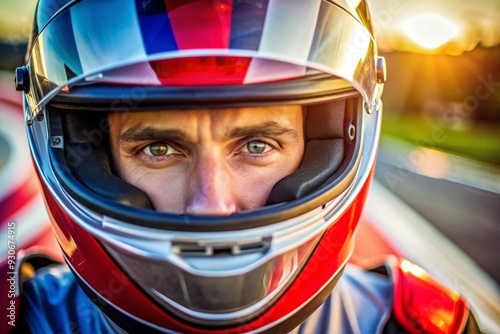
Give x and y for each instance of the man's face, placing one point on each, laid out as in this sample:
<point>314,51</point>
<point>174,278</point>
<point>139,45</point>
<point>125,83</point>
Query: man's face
<point>213,162</point>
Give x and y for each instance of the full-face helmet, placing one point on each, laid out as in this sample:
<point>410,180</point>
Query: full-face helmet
<point>251,271</point>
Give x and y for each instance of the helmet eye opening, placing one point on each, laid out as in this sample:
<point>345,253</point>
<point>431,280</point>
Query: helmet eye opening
<point>83,165</point>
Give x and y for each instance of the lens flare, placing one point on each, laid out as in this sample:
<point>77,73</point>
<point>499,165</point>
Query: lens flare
<point>430,30</point>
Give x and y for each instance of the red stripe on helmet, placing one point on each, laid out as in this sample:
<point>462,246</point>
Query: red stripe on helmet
<point>200,24</point>
<point>195,71</point>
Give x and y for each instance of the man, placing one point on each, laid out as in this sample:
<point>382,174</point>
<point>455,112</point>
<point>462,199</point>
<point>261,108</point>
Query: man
<point>216,162</point>
<point>205,164</point>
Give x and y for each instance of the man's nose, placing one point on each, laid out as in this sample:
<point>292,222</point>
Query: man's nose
<point>210,187</point>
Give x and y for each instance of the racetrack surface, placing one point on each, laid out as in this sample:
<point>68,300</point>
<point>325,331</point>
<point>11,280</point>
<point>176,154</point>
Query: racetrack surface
<point>461,200</point>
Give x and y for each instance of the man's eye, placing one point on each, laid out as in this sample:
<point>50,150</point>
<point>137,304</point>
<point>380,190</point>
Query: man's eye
<point>158,149</point>
<point>257,147</point>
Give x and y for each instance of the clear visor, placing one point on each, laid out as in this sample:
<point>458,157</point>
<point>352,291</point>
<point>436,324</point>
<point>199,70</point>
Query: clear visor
<point>163,43</point>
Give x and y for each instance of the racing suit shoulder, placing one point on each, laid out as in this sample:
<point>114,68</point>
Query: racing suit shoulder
<point>15,268</point>
<point>361,302</point>
<point>52,302</point>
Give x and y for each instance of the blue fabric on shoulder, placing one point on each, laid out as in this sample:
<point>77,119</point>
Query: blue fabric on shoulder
<point>56,304</point>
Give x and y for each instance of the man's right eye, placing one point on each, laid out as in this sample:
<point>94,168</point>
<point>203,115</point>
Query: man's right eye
<point>158,149</point>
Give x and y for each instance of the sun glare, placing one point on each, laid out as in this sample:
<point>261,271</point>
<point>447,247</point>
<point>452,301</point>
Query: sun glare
<point>430,30</point>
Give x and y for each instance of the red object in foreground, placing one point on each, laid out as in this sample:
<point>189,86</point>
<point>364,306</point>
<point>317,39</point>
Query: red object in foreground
<point>423,305</point>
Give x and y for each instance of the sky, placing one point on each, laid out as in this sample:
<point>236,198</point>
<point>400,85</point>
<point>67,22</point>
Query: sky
<point>476,20</point>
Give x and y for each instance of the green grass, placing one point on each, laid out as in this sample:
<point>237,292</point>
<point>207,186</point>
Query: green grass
<point>476,141</point>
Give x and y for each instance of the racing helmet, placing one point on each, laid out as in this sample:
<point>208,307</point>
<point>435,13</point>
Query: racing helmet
<point>265,269</point>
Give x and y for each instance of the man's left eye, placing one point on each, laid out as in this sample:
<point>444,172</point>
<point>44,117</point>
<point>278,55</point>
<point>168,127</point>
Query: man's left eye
<point>257,147</point>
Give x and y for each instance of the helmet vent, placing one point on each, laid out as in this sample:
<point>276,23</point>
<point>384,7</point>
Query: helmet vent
<point>217,249</point>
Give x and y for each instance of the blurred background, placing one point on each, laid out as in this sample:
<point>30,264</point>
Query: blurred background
<point>440,147</point>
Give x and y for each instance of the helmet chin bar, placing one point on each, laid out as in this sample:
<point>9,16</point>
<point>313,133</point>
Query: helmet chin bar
<point>122,319</point>
<point>218,290</point>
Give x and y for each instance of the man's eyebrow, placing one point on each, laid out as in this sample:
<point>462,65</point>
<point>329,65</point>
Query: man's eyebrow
<point>265,129</point>
<point>139,133</point>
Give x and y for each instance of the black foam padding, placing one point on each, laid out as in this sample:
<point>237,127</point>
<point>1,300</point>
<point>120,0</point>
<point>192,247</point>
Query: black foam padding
<point>95,175</point>
<point>325,120</point>
<point>87,155</point>
<point>322,158</point>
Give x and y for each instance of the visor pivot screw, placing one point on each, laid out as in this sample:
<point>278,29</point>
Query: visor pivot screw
<point>39,117</point>
<point>369,107</point>
<point>56,140</point>
<point>21,79</point>
<point>351,132</point>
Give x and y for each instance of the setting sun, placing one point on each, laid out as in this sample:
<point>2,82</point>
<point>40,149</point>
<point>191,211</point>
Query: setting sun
<point>430,30</point>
